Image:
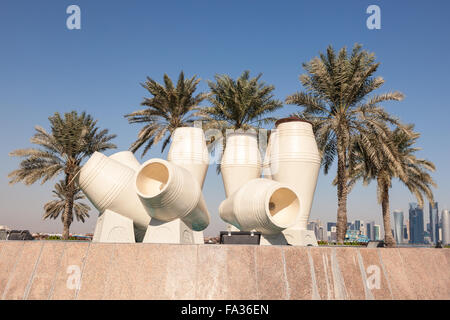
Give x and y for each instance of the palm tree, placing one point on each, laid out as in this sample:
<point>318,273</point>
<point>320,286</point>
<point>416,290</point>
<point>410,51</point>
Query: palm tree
<point>240,104</point>
<point>169,108</point>
<point>392,156</point>
<point>56,207</point>
<point>72,138</point>
<point>336,100</point>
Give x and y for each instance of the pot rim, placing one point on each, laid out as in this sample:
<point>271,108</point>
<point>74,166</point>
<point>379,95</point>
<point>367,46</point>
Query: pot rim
<point>145,164</point>
<point>290,119</point>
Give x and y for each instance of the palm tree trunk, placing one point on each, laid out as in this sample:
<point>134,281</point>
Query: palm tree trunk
<point>388,237</point>
<point>68,207</point>
<point>342,193</point>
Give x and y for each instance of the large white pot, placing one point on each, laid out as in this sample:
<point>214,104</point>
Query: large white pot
<point>241,161</point>
<point>170,192</point>
<point>266,162</point>
<point>262,205</point>
<point>188,150</point>
<point>109,184</point>
<point>127,158</point>
<point>295,161</point>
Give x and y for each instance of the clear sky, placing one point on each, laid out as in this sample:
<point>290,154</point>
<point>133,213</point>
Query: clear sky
<point>44,67</point>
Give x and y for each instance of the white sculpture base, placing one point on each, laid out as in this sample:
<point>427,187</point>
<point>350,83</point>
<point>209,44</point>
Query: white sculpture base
<point>175,231</point>
<point>273,240</point>
<point>113,227</point>
<point>300,237</point>
<point>199,238</point>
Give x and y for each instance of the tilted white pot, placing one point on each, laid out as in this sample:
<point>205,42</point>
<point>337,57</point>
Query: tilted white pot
<point>109,184</point>
<point>169,192</point>
<point>127,158</point>
<point>295,161</point>
<point>241,161</point>
<point>188,150</point>
<point>261,205</point>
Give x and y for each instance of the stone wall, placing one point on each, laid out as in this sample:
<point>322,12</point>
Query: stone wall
<point>53,270</point>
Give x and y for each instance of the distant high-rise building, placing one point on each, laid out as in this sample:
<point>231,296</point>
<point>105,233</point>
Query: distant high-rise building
<point>319,231</point>
<point>370,233</point>
<point>405,232</point>
<point>445,222</point>
<point>398,226</point>
<point>408,234</point>
<point>314,226</point>
<point>333,236</point>
<point>322,234</point>
<point>311,225</point>
<point>416,224</point>
<point>358,224</point>
<point>377,232</point>
<point>330,225</point>
<point>434,223</point>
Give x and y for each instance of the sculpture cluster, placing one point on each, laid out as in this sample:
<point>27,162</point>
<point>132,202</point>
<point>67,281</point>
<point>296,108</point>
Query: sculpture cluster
<point>161,201</point>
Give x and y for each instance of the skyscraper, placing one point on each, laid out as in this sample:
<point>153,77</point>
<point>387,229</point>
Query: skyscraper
<point>405,232</point>
<point>330,225</point>
<point>445,227</point>
<point>359,225</point>
<point>377,232</point>
<point>398,226</point>
<point>370,233</point>
<point>434,222</point>
<point>322,234</point>
<point>416,224</point>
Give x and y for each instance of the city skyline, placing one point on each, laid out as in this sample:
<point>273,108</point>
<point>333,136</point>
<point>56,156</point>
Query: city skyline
<point>48,68</point>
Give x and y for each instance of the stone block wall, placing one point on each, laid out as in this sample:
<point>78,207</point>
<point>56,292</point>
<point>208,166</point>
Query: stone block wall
<point>82,270</point>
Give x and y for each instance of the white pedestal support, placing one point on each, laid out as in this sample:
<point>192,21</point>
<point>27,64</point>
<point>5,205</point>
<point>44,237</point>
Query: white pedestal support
<point>300,237</point>
<point>113,227</point>
<point>175,231</point>
<point>199,238</point>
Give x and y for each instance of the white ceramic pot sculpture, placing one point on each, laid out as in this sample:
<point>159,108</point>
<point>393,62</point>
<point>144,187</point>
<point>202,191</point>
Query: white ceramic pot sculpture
<point>170,192</point>
<point>266,162</point>
<point>261,205</point>
<point>188,150</point>
<point>109,184</point>
<point>127,158</point>
<point>295,161</point>
<point>241,161</point>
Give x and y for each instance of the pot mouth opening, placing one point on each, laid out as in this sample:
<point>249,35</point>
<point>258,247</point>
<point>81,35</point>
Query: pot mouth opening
<point>283,207</point>
<point>152,179</point>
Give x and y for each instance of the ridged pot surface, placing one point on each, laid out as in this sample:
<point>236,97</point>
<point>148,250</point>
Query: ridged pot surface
<point>127,158</point>
<point>261,205</point>
<point>169,192</point>
<point>295,161</point>
<point>241,161</point>
<point>109,184</point>
<point>188,150</point>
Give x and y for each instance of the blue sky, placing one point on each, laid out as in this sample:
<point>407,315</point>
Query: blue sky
<point>44,67</point>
